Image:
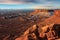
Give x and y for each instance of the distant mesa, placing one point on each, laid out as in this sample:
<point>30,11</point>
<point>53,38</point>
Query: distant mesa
<point>42,12</point>
<point>53,19</point>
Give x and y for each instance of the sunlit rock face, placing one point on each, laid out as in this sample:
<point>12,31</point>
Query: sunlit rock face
<point>45,26</point>
<point>26,33</point>
<point>57,13</point>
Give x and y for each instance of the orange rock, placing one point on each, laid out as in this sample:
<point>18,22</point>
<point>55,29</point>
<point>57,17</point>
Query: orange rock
<point>57,12</point>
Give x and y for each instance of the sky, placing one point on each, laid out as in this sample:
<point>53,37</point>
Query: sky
<point>29,4</point>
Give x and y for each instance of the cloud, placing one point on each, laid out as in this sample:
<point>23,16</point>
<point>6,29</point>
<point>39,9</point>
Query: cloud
<point>29,6</point>
<point>8,2</point>
<point>27,1</point>
<point>17,1</point>
<point>22,0</point>
<point>45,6</point>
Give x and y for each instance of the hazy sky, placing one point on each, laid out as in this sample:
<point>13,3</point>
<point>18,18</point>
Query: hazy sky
<point>29,4</point>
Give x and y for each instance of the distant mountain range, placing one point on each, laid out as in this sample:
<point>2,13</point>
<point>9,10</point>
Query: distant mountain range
<point>17,11</point>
